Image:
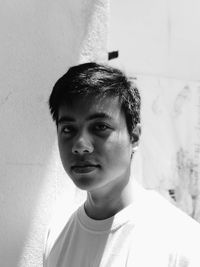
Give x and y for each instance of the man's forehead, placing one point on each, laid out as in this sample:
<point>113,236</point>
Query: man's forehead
<point>89,106</point>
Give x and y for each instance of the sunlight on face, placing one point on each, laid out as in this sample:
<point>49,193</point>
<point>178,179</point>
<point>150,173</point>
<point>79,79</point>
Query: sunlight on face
<point>94,142</point>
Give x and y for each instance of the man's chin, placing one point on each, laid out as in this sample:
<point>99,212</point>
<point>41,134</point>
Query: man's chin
<point>84,182</point>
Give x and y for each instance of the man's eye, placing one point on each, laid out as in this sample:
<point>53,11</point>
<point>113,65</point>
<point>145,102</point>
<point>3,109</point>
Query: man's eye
<point>101,127</point>
<point>67,129</point>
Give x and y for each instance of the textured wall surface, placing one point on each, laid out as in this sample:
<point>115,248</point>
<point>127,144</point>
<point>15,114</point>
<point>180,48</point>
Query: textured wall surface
<point>39,41</point>
<point>158,42</point>
<point>158,37</point>
<point>170,146</point>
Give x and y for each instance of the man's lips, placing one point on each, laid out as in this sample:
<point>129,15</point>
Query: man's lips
<point>84,167</point>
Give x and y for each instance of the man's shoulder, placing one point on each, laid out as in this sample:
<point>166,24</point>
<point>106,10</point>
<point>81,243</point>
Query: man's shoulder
<point>167,219</point>
<point>167,229</point>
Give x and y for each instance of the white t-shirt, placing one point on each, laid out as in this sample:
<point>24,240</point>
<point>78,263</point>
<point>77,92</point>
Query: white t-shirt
<point>151,232</point>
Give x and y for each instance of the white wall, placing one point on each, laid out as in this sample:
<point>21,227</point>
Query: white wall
<point>157,37</point>
<point>39,41</point>
<point>158,42</point>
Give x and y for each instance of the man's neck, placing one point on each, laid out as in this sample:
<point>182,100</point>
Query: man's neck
<point>100,207</point>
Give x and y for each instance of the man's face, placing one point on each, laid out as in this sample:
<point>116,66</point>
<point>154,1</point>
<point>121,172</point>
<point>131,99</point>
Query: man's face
<point>94,142</point>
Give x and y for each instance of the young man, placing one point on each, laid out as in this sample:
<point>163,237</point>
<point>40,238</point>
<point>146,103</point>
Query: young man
<point>97,113</point>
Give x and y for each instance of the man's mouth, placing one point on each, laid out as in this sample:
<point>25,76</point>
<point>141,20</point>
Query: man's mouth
<point>84,168</point>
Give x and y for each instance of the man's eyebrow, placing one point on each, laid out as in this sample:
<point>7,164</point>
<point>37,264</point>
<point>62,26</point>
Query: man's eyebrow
<point>99,115</point>
<point>66,119</point>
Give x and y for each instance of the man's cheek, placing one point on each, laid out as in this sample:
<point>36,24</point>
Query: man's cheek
<point>65,157</point>
<point>115,151</point>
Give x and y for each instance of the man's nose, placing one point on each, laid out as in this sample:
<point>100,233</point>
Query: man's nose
<point>82,145</point>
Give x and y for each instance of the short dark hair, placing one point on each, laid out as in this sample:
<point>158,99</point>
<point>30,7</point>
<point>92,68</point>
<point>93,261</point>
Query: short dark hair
<point>93,79</point>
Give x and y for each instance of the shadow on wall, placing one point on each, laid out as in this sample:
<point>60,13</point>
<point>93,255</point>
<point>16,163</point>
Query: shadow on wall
<point>38,39</point>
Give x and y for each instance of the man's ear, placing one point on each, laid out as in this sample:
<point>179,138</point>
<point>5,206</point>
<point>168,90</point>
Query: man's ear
<point>135,137</point>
